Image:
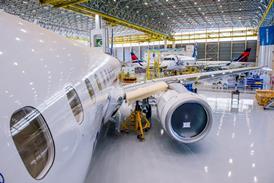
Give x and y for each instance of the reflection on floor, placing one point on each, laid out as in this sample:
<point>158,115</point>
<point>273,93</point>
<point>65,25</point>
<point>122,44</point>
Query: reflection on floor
<point>239,149</point>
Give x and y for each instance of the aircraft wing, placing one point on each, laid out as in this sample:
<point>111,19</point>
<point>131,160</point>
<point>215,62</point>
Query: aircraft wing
<point>185,116</point>
<point>209,63</point>
<point>142,90</point>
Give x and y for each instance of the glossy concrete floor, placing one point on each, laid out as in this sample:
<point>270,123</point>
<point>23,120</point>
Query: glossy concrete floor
<point>239,149</point>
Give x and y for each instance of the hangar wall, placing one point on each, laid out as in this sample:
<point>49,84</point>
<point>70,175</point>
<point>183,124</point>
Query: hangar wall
<point>223,51</point>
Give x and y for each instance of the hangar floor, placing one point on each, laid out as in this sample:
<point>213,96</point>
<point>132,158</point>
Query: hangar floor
<point>239,148</point>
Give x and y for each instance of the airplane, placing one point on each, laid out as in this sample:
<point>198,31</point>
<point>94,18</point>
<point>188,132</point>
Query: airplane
<point>57,94</point>
<point>170,62</point>
<point>175,62</point>
<point>241,61</point>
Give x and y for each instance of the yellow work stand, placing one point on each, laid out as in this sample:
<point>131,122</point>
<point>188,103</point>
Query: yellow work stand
<point>137,122</point>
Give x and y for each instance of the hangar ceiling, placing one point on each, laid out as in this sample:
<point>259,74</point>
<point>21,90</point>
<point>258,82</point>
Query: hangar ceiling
<point>165,16</point>
<point>65,22</point>
<point>269,19</point>
<point>170,16</point>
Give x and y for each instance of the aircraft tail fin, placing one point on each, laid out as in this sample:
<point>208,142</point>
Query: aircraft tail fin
<point>135,59</point>
<point>133,56</point>
<point>244,56</point>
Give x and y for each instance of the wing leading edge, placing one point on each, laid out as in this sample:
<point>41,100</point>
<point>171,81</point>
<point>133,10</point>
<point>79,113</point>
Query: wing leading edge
<point>142,90</point>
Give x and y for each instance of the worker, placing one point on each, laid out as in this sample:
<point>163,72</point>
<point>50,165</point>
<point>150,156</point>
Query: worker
<point>266,80</point>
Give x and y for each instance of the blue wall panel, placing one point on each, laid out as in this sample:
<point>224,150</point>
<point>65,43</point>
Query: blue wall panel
<point>267,35</point>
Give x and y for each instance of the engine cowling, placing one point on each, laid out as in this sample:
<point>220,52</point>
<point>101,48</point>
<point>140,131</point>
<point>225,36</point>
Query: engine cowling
<point>185,116</point>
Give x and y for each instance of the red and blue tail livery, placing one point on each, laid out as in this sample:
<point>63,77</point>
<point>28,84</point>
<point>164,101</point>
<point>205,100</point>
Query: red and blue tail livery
<point>135,59</point>
<point>244,56</point>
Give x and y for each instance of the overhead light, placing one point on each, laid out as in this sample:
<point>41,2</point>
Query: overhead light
<point>199,8</point>
<point>146,3</point>
<point>195,3</point>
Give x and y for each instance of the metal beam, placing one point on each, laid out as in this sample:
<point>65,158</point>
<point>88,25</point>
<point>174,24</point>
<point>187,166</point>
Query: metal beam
<point>64,4</point>
<point>47,1</point>
<point>265,14</point>
<point>115,20</point>
<point>141,38</point>
<point>74,6</point>
<point>188,36</point>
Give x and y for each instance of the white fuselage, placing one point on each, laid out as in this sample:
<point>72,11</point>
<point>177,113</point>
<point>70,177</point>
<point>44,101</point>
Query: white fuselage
<point>173,61</point>
<point>36,67</point>
<point>49,121</point>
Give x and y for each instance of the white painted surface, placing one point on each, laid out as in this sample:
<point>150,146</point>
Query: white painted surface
<point>246,156</point>
<point>36,66</point>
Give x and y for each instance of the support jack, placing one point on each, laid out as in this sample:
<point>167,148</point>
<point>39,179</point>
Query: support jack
<point>138,120</point>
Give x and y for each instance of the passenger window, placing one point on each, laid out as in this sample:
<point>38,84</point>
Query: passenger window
<point>105,75</point>
<point>33,141</point>
<point>90,89</point>
<point>75,104</point>
<point>98,82</point>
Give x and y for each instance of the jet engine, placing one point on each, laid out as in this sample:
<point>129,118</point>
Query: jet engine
<point>185,116</point>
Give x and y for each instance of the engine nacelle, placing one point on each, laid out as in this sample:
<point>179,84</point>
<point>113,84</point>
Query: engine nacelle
<point>185,116</point>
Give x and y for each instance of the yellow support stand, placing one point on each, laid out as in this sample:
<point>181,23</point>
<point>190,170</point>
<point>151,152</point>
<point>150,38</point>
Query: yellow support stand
<point>156,66</point>
<point>159,64</point>
<point>137,122</point>
<point>148,66</point>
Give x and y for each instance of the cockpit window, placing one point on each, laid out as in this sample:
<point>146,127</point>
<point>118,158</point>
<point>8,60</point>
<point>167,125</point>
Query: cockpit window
<point>33,141</point>
<point>168,58</point>
<point>75,104</point>
<point>90,89</point>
